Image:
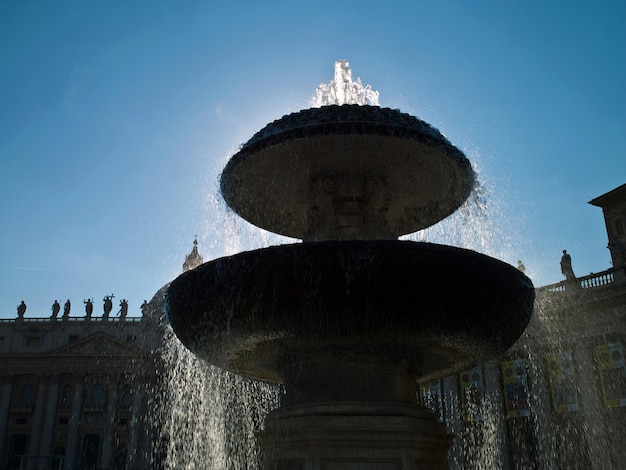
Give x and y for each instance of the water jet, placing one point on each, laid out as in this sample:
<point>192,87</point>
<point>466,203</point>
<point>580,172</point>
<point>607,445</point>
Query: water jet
<point>350,318</point>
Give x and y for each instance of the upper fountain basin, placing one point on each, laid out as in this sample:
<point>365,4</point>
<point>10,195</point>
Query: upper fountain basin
<point>346,172</point>
<point>438,307</point>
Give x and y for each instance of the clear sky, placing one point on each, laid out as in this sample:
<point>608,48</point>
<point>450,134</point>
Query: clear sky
<point>116,118</point>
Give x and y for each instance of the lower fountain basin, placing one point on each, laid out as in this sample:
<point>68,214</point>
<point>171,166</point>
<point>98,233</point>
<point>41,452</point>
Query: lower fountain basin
<point>437,308</point>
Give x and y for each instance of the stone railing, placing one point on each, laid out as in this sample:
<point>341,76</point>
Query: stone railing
<point>597,280</point>
<point>591,281</point>
<point>71,319</point>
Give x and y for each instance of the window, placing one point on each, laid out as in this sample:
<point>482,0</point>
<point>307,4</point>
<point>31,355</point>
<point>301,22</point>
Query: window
<point>66,396</point>
<point>126,399</point>
<point>18,446</point>
<point>90,451</point>
<point>612,371</point>
<point>33,341</point>
<point>97,395</point>
<point>618,227</point>
<point>57,460</point>
<point>26,395</point>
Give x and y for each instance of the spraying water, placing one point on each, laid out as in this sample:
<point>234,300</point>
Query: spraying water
<point>470,227</point>
<point>342,90</point>
<point>210,416</point>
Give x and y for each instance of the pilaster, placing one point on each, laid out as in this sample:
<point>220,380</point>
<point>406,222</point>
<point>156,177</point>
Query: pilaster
<point>33,447</point>
<point>72,437</point>
<point>109,426</point>
<point>50,414</point>
<point>6,391</point>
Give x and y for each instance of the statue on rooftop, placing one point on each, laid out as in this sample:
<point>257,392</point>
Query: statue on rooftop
<point>66,309</point>
<point>88,308</point>
<point>566,266</point>
<point>123,309</point>
<point>108,305</point>
<point>21,310</point>
<point>56,307</point>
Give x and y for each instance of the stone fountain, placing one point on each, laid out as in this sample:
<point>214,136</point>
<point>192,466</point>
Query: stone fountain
<point>350,318</point>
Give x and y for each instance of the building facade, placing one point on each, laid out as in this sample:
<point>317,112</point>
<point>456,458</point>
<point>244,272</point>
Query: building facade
<point>557,399</point>
<point>75,393</point>
<point>83,392</point>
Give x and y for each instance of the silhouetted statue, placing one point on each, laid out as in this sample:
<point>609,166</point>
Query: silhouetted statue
<point>56,307</point>
<point>123,309</point>
<point>88,308</point>
<point>144,308</point>
<point>566,266</point>
<point>108,305</point>
<point>66,309</point>
<point>21,310</point>
<point>520,266</point>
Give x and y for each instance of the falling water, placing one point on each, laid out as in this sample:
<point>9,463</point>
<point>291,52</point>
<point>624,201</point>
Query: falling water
<point>209,417</point>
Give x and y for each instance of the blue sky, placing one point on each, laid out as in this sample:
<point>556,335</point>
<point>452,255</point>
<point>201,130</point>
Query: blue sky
<point>116,119</point>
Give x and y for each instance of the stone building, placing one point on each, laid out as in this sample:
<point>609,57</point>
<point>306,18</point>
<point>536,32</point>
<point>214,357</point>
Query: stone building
<point>74,392</point>
<point>613,206</point>
<point>80,393</point>
<point>557,399</point>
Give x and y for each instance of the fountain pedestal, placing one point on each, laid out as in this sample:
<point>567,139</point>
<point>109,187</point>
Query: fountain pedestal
<point>362,435</point>
<point>352,411</point>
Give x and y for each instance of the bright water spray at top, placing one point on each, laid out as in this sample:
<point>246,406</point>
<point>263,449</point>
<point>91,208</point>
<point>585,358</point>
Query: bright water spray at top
<point>468,227</point>
<point>342,90</point>
<point>472,226</point>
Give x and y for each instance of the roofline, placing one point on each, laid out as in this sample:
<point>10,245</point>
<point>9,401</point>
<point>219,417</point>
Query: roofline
<point>600,199</point>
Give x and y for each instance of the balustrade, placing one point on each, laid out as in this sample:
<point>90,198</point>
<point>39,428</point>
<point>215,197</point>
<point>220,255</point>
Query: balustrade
<point>71,319</point>
<point>591,281</point>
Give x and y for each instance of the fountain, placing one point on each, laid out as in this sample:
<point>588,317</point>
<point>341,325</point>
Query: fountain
<point>348,319</point>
